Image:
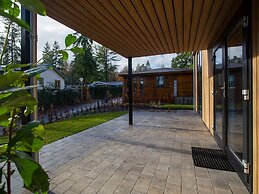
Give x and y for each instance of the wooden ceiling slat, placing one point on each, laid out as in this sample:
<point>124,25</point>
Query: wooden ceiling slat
<point>144,16</point>
<point>211,21</point>
<point>208,4</point>
<point>155,22</point>
<point>159,7</point>
<point>188,9</point>
<point>116,17</point>
<point>135,28</point>
<point>76,22</point>
<point>107,26</point>
<point>127,17</point>
<point>141,25</point>
<point>196,15</point>
<point>171,22</point>
<point>178,9</point>
<point>218,22</point>
<point>135,16</point>
<point>104,14</point>
<point>226,17</point>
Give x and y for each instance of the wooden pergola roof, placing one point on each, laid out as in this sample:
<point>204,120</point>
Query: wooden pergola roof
<point>135,28</point>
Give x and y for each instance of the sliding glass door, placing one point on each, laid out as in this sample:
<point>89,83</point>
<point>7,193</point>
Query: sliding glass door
<point>219,94</point>
<point>232,99</point>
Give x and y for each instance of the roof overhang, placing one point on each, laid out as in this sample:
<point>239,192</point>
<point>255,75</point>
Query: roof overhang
<point>135,28</point>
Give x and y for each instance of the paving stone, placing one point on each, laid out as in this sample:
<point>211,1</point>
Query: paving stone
<point>152,156</point>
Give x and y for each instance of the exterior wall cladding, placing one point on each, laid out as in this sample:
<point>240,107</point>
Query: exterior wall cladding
<point>166,88</point>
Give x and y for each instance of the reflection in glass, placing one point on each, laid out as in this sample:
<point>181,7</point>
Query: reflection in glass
<point>235,108</point>
<point>219,91</point>
<point>160,81</point>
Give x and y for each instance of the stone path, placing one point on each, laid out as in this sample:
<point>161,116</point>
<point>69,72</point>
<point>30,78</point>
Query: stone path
<point>153,156</point>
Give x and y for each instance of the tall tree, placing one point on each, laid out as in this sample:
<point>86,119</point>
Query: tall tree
<point>84,64</point>
<point>143,67</point>
<point>52,56</point>
<point>105,59</point>
<point>47,54</point>
<point>148,66</point>
<point>12,53</point>
<point>182,60</point>
<point>124,69</point>
<point>57,57</point>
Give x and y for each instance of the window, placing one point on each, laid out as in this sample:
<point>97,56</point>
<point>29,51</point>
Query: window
<point>160,81</point>
<point>57,83</point>
<point>142,87</point>
<point>135,87</point>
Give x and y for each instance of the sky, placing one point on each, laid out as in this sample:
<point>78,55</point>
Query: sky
<point>50,30</point>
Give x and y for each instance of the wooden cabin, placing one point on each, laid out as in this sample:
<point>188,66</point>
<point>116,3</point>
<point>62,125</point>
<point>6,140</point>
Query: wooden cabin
<point>165,85</point>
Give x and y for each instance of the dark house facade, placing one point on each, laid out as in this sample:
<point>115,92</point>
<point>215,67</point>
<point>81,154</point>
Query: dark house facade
<point>165,85</point>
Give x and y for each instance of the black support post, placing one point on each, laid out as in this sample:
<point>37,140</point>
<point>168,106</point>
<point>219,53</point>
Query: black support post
<point>25,49</point>
<point>29,56</point>
<point>130,91</point>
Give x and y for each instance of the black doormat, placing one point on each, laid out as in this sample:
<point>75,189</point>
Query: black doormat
<point>211,158</point>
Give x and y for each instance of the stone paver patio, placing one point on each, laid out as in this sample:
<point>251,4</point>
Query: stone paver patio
<point>153,156</point>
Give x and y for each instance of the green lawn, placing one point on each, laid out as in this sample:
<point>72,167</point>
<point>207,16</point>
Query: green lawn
<point>177,106</point>
<point>60,129</point>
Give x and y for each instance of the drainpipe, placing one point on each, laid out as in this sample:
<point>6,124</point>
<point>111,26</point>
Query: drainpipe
<point>33,57</point>
<point>130,91</point>
<point>29,55</point>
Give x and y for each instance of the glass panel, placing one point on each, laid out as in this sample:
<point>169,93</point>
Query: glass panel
<point>235,105</point>
<point>219,91</point>
<point>141,87</point>
<point>160,81</point>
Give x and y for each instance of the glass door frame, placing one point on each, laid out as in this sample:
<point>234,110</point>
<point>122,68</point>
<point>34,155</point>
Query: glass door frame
<point>247,105</point>
<point>221,141</point>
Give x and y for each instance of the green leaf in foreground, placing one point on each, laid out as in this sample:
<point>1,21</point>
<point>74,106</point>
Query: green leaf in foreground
<point>28,138</point>
<point>77,50</point>
<point>5,4</point>
<point>15,10</point>
<point>18,21</point>
<point>64,55</point>
<point>34,177</point>
<point>70,39</point>
<point>34,5</point>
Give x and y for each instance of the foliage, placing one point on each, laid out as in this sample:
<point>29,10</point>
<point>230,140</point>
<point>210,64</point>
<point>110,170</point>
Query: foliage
<point>12,53</point>
<point>99,92</point>
<point>54,97</point>
<point>105,59</point>
<point>84,64</point>
<point>57,130</point>
<point>53,56</point>
<point>177,106</point>
<point>47,55</point>
<point>124,69</point>
<point>182,60</point>
<point>143,67</point>
<point>16,101</point>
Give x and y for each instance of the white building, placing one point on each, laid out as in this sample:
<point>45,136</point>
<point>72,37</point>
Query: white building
<point>52,78</point>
